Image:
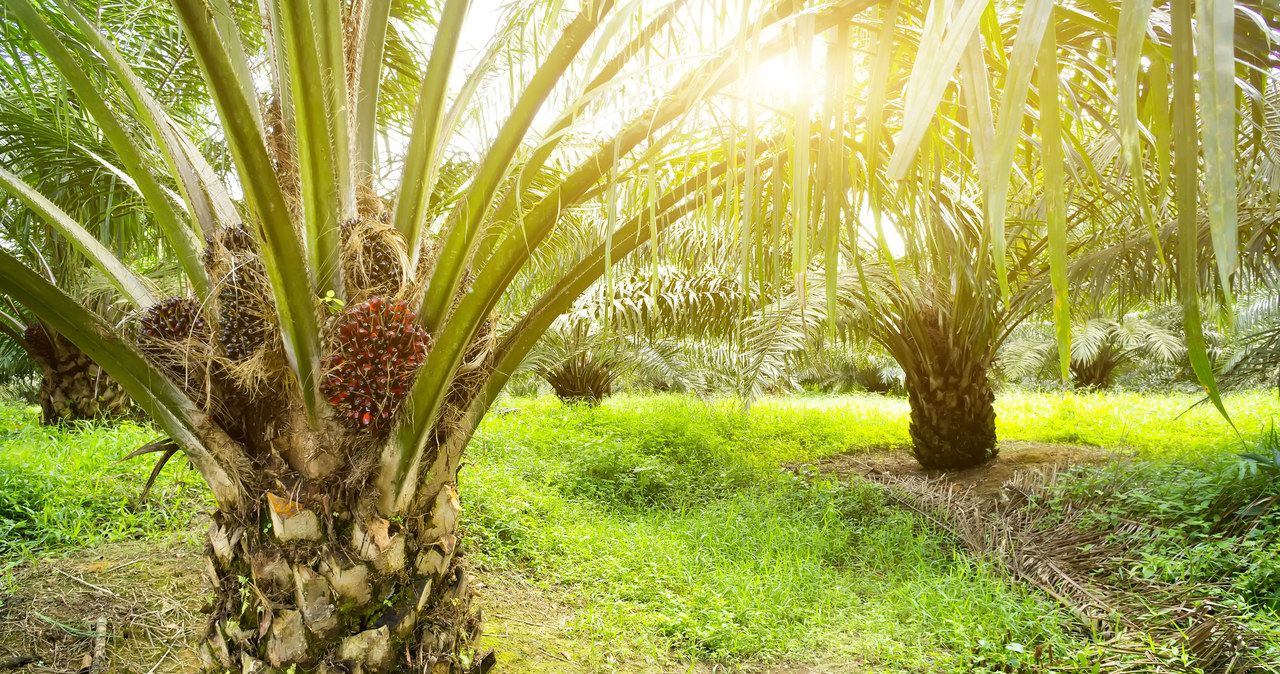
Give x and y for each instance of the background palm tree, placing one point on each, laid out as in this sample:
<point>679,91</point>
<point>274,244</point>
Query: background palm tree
<point>641,328</point>
<point>48,140</point>
<point>583,361</point>
<point>1255,356</point>
<point>72,387</point>
<point>976,259</point>
<point>1099,347</point>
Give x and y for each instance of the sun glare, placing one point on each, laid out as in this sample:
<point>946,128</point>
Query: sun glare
<point>780,82</point>
<point>892,237</point>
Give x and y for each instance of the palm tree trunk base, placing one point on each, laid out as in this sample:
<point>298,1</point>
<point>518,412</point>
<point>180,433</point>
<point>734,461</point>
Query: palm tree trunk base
<point>308,595</point>
<point>72,386</point>
<point>953,426</point>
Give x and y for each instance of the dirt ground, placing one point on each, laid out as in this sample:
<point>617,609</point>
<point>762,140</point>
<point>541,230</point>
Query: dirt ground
<point>982,483</point>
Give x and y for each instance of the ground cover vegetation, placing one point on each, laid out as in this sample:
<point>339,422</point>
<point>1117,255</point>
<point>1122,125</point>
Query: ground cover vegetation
<point>679,529</point>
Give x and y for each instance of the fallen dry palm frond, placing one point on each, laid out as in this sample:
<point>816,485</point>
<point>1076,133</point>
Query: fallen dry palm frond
<point>1137,623</point>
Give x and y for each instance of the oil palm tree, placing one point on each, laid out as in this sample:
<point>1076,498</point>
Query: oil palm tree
<point>626,330</point>
<point>1099,347</point>
<point>337,348</point>
<point>39,134</point>
<point>47,139</point>
<point>583,361</point>
<point>1255,357</point>
<point>1090,168</point>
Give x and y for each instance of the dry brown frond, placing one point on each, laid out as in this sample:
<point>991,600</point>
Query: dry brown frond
<point>1085,568</point>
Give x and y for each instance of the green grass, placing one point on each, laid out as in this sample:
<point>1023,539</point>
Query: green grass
<point>673,524</point>
<point>1174,426</point>
<point>62,486</point>
<point>671,519</point>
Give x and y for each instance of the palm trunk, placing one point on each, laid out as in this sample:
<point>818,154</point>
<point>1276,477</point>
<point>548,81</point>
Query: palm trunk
<point>72,387</point>
<point>1096,374</point>
<point>953,419</point>
<point>313,585</point>
<point>308,577</point>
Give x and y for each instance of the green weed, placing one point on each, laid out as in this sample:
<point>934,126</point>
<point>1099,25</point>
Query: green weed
<point>62,487</point>
<point>1174,427</point>
<point>671,519</point>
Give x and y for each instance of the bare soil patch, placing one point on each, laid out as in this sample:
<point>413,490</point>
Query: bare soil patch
<point>981,483</point>
<point>150,594</point>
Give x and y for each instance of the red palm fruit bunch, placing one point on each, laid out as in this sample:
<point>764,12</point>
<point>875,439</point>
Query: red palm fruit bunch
<point>171,320</point>
<point>379,349</point>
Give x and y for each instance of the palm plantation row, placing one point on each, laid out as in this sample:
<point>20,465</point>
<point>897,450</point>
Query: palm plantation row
<point>318,246</point>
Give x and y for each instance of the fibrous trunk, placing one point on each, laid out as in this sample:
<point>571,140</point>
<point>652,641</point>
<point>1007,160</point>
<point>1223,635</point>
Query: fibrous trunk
<point>953,419</point>
<point>72,387</point>
<point>315,581</point>
<point>1095,375</point>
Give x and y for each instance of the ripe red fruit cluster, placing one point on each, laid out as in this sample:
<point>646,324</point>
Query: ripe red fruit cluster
<point>173,319</point>
<point>380,348</point>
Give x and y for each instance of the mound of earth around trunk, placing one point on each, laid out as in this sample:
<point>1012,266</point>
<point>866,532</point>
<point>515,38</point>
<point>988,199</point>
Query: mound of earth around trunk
<point>981,483</point>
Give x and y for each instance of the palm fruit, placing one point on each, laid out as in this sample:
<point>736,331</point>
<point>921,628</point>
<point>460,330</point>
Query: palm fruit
<point>171,320</point>
<point>238,239</point>
<point>379,348</point>
<point>382,264</point>
<point>379,267</point>
<point>243,322</point>
<point>166,332</point>
<point>241,328</point>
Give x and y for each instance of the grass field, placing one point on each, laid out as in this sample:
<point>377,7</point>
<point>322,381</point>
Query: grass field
<point>662,529</point>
